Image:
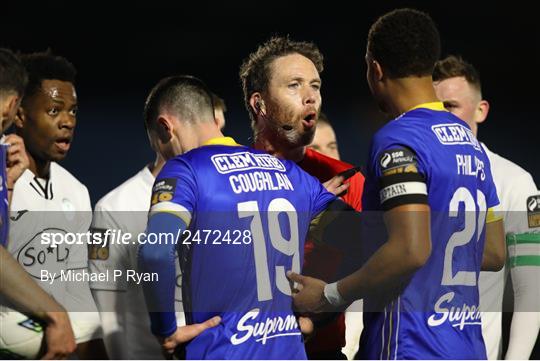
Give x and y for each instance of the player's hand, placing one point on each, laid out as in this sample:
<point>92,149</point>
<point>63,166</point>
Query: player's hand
<point>307,327</point>
<point>336,185</point>
<point>187,333</point>
<point>17,159</point>
<point>59,338</point>
<point>309,295</point>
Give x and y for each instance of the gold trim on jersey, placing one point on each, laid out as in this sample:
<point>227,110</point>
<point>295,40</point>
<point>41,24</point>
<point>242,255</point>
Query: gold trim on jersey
<point>493,215</point>
<point>439,106</point>
<point>221,141</point>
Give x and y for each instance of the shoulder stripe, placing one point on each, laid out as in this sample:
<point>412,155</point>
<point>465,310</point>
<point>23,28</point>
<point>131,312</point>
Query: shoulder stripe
<point>173,208</point>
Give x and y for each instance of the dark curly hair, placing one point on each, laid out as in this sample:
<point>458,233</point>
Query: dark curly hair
<point>255,70</point>
<point>454,66</point>
<point>46,66</point>
<point>405,42</point>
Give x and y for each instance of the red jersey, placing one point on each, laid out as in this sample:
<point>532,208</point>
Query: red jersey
<point>322,261</point>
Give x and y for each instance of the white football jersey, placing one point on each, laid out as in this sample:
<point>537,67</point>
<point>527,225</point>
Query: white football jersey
<point>514,186</point>
<point>126,209</point>
<point>40,210</point>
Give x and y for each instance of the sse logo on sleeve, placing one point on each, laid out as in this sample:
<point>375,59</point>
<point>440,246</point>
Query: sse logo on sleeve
<point>533,211</point>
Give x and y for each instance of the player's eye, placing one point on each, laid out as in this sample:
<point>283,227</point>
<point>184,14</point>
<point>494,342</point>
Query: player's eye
<point>294,85</point>
<point>53,111</point>
<point>316,86</point>
<point>73,112</point>
<point>450,105</point>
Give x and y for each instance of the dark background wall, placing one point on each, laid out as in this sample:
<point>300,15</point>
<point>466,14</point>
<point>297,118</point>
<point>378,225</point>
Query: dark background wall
<point>121,53</point>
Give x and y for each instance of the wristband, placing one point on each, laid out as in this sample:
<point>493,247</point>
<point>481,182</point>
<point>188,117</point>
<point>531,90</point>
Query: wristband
<point>332,295</point>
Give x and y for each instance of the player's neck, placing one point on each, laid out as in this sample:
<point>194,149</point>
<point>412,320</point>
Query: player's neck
<point>39,167</point>
<point>296,154</point>
<point>406,93</point>
<point>208,131</point>
<point>157,165</point>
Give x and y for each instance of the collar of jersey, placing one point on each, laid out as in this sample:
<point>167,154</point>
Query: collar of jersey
<point>439,106</point>
<point>221,141</point>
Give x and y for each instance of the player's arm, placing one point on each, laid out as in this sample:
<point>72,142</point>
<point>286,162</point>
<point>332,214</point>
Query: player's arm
<point>495,247</point>
<point>159,258</point>
<point>407,249</point>
<point>524,262</point>
<point>29,298</point>
<point>159,295</point>
<point>403,197</point>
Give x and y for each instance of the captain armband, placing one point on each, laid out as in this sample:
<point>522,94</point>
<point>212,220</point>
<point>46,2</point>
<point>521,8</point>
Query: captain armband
<point>400,181</point>
<point>401,189</point>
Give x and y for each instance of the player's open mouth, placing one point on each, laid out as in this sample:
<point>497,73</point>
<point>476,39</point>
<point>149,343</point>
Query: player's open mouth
<point>309,120</point>
<point>63,144</point>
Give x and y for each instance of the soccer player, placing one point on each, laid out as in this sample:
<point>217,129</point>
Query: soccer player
<point>16,286</point>
<point>458,86</point>
<point>325,141</point>
<point>121,304</point>
<point>244,214</point>
<point>281,85</point>
<point>47,199</point>
<point>432,180</point>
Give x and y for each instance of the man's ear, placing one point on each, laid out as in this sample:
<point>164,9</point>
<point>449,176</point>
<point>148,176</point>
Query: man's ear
<point>377,70</point>
<point>257,104</point>
<point>482,111</point>
<point>164,129</point>
<point>20,118</point>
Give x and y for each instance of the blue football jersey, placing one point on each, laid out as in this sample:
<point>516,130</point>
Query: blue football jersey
<point>4,206</point>
<point>436,315</point>
<point>248,214</point>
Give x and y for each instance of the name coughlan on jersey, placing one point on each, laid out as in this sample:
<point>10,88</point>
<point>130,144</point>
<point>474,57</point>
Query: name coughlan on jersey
<point>129,275</point>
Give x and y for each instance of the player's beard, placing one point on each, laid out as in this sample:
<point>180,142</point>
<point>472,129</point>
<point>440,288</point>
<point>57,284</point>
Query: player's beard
<point>286,126</point>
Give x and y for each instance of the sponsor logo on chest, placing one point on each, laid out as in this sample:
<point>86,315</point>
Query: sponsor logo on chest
<point>265,329</point>
<point>456,134</point>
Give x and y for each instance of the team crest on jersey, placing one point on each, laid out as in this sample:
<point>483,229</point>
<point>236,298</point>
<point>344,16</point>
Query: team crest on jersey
<point>38,255</point>
<point>99,251</point>
<point>533,211</point>
<point>163,190</point>
<point>399,160</point>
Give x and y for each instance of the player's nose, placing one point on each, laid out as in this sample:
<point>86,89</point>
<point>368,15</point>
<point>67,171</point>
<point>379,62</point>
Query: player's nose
<point>67,121</point>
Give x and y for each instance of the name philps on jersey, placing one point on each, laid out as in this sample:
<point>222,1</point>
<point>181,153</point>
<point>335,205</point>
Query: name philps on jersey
<point>467,166</point>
